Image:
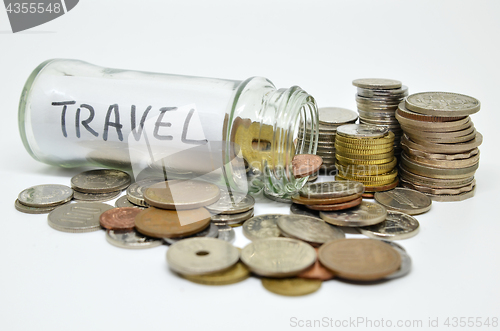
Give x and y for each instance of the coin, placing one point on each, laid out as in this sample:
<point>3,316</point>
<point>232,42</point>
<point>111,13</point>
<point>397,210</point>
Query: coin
<point>453,197</point>
<point>97,197</point>
<point>434,182</point>
<point>131,239</point>
<point>359,259</point>
<point>135,192</point>
<point>440,163</point>
<point>77,217</point>
<point>124,202</point>
<point>34,210</point>
<point>368,151</point>
<point>368,195</point>
<point>278,257</point>
<point>337,206</point>
<point>181,194</point>
<point>396,226</point>
<point>231,203</point>
<point>232,218</point>
<point>329,201</point>
<point>226,233</point>
<point>237,273</point>
<point>305,164</point>
<point>327,190</point>
<point>348,161</point>
<point>381,188</point>
<point>366,213</point>
<point>405,263</point>
<point>433,126</point>
<point>317,271</point>
<point>404,200</point>
<point>400,92</point>
<point>309,229</point>
<point>439,191</point>
<point>212,231</point>
<point>100,181</point>
<point>450,148</point>
<point>47,195</point>
<point>160,223</point>
<point>377,83</point>
<point>420,151</point>
<point>403,112</point>
<point>198,256</point>
<point>439,173</point>
<point>361,131</point>
<point>291,286</point>
<point>119,218</point>
<point>303,210</point>
<point>442,104</point>
<point>261,227</point>
<point>283,199</point>
<point>336,115</point>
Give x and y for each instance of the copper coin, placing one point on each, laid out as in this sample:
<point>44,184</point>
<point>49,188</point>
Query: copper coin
<point>119,218</point>
<point>359,259</point>
<point>386,187</point>
<point>368,195</point>
<point>317,271</point>
<point>306,164</point>
<point>160,223</point>
<point>181,194</point>
<point>337,206</point>
<point>328,201</point>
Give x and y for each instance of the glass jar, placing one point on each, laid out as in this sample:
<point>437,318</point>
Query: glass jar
<point>242,134</point>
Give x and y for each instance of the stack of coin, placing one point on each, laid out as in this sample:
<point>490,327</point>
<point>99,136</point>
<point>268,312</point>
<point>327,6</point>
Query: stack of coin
<point>365,153</point>
<point>232,208</point>
<point>99,184</point>
<point>330,118</point>
<point>377,101</point>
<point>43,199</point>
<point>327,196</point>
<point>440,144</point>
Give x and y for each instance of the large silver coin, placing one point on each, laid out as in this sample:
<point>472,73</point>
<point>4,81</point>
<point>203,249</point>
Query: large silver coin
<point>396,226</point>
<point>406,262</point>
<point>361,131</point>
<point>45,195</point>
<point>34,210</point>
<point>198,256</point>
<point>212,231</point>
<point>232,218</point>
<point>366,213</point>
<point>231,203</point>
<point>377,83</point>
<point>336,115</point>
<point>96,197</point>
<point>135,192</point>
<point>78,217</point>
<point>261,227</point>
<point>308,229</point>
<point>297,209</point>
<point>325,190</point>
<point>404,200</point>
<point>100,181</point>
<point>442,104</point>
<point>131,239</point>
<point>398,93</point>
<point>278,257</point>
<point>125,202</point>
<point>226,233</point>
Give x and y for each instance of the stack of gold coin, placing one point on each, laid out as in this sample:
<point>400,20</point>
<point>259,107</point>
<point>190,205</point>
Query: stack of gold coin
<point>440,144</point>
<point>377,100</point>
<point>365,153</point>
<point>330,118</point>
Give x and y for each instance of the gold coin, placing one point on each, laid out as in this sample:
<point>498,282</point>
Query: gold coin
<point>382,156</point>
<point>235,274</point>
<point>364,170</point>
<point>388,176</point>
<point>347,161</point>
<point>388,138</point>
<point>368,183</point>
<point>291,286</point>
<point>343,150</point>
<point>362,147</point>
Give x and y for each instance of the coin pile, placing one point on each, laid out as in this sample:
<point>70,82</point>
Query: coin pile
<point>330,118</point>
<point>440,144</point>
<point>365,153</point>
<point>99,184</point>
<point>327,196</point>
<point>377,101</point>
<point>42,199</point>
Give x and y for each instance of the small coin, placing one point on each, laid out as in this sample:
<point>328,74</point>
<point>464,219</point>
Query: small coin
<point>405,262</point>
<point>135,192</point>
<point>396,226</point>
<point>404,200</point>
<point>125,202</point>
<point>359,259</point>
<point>337,206</point>
<point>453,197</point>
<point>119,218</point>
<point>439,191</point>
<point>382,187</point>
<point>291,286</point>
<point>366,213</point>
<point>226,233</point>
<point>329,201</point>
<point>336,115</point>
<point>309,229</point>
<point>381,158</point>
<point>181,194</point>
<point>198,256</point>
<point>261,227</point>
<point>78,217</point>
<point>404,112</point>
<point>34,210</point>
<point>278,257</point>
<point>368,195</point>
<point>237,273</point>
<point>398,93</point>
<point>317,271</point>
<point>231,203</point>
<point>361,131</point>
<point>377,83</point>
<point>305,164</point>
<point>327,190</point>
<point>47,195</point>
<point>100,181</point>
<point>442,104</point>
<point>232,218</point>
<point>96,197</point>
<point>131,239</point>
<point>212,231</point>
<point>160,223</point>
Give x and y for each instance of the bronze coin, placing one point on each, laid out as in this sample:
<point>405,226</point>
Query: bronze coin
<point>160,223</point>
<point>305,164</point>
<point>337,206</point>
<point>327,201</point>
<point>359,259</point>
<point>119,218</point>
<point>386,187</point>
<point>368,195</point>
<point>317,271</point>
<point>181,194</point>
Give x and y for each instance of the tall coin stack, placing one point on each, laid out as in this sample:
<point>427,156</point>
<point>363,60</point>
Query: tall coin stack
<point>377,100</point>
<point>440,144</point>
<point>365,153</point>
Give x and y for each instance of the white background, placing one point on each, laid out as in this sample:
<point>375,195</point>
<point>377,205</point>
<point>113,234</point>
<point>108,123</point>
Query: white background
<point>51,280</point>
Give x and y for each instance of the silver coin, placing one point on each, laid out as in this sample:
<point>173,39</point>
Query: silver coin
<point>303,210</point>
<point>396,226</point>
<point>212,231</point>
<point>78,217</point>
<point>232,218</point>
<point>100,181</point>
<point>278,257</point>
<point>406,262</point>
<point>198,256</point>
<point>404,200</point>
<point>131,239</point>
<point>366,213</point>
<point>125,202</point>
<point>309,229</point>
<point>45,195</point>
<point>231,203</point>
<point>442,104</point>
<point>377,83</point>
<point>325,190</point>
<point>96,197</point>
<point>226,233</point>
<point>361,131</point>
<point>34,210</point>
<point>400,92</point>
<point>336,115</point>
<point>135,192</point>
<point>284,199</point>
<point>261,227</point>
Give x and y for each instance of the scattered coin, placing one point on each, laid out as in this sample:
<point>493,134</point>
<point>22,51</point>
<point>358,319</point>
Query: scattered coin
<point>212,231</point>
<point>309,229</point>
<point>237,273</point>
<point>396,226</point>
<point>283,199</point>
<point>231,203</point>
<point>119,218</point>
<point>77,217</point>
<point>135,192</point>
<point>232,218</point>
<point>406,262</point>
<point>367,213</point>
<point>337,206</point>
<point>226,233</point>
<point>377,83</point>
<point>291,286</point>
<point>404,200</point>
<point>303,210</point>
<point>298,199</point>
<point>131,239</point>
<point>317,271</point>
<point>100,181</point>
<point>34,210</point>
<point>96,197</point>
<point>305,164</point>
<point>48,195</point>
<point>328,190</point>
<point>261,227</point>
<point>181,195</point>
<point>125,202</point>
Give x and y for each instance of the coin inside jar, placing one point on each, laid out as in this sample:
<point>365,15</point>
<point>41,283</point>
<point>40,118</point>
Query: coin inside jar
<point>119,218</point>
<point>181,195</point>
